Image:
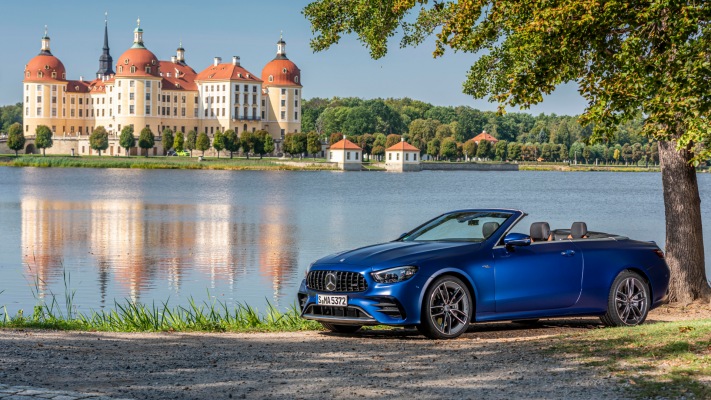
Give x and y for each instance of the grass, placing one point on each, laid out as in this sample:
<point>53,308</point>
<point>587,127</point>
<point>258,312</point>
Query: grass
<point>159,162</point>
<point>670,359</point>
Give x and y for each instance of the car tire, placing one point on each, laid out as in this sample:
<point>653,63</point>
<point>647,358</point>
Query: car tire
<point>341,328</point>
<point>628,301</point>
<point>447,309</point>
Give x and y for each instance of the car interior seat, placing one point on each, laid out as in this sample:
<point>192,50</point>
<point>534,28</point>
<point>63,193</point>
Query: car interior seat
<point>540,231</point>
<point>579,230</point>
<point>489,228</point>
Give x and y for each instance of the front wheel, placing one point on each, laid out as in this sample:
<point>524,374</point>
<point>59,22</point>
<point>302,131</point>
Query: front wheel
<point>341,328</point>
<point>628,301</point>
<point>447,309</point>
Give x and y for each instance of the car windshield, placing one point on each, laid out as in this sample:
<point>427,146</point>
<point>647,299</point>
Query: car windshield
<point>466,226</point>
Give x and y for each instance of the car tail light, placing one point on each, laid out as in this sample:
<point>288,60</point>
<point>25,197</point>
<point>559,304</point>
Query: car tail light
<point>659,253</point>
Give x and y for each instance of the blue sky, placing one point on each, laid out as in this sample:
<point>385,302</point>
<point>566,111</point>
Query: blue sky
<point>247,29</point>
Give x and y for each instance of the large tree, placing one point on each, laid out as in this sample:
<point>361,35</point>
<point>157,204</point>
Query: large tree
<point>626,56</point>
<point>15,138</point>
<point>179,141</point>
<point>99,139</point>
<point>127,140</point>
<point>218,142</point>
<point>146,140</point>
<point>43,138</point>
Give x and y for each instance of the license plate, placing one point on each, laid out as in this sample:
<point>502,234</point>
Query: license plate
<point>340,301</point>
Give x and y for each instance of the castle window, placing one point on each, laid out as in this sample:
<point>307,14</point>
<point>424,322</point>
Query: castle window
<point>46,67</point>
<point>131,109</point>
<point>133,69</point>
<point>271,78</point>
<point>296,91</point>
<point>64,75</point>
<point>148,70</point>
<point>296,115</point>
<point>246,88</point>
<point>148,83</point>
<point>54,75</point>
<point>254,89</point>
<point>283,91</point>
<point>296,79</point>
<point>284,70</point>
<point>125,61</point>
<point>153,62</point>
<point>131,83</point>
<point>40,74</point>
<point>28,74</point>
<point>148,110</point>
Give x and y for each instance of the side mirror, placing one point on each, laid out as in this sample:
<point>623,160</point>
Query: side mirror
<point>516,239</point>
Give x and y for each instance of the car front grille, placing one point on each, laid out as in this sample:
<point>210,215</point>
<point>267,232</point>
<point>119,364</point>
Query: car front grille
<point>344,281</point>
<point>331,311</point>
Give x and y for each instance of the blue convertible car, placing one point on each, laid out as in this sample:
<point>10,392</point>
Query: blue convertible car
<point>467,266</point>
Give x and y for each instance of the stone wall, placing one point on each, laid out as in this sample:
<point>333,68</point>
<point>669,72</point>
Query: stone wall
<point>446,166</point>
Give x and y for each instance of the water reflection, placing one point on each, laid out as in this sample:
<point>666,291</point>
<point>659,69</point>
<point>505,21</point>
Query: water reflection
<point>142,246</point>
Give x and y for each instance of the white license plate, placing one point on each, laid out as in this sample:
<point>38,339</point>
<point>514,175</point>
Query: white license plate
<point>340,301</point>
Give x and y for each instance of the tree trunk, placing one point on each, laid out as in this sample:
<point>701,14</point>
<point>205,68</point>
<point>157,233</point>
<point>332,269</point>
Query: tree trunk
<point>685,243</point>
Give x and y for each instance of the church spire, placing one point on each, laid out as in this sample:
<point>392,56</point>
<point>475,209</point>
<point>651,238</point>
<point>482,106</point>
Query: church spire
<point>138,36</point>
<point>105,61</point>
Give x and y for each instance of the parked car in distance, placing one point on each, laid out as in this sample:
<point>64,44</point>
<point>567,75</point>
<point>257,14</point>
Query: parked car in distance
<point>467,266</point>
<point>183,153</point>
<point>171,153</point>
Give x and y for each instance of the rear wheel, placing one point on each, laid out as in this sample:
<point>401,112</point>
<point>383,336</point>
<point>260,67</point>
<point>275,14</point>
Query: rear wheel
<point>341,328</point>
<point>447,309</point>
<point>628,301</point>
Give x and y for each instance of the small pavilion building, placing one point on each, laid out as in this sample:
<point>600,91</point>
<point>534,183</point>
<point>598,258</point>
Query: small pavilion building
<point>348,155</point>
<point>402,157</point>
<point>484,136</point>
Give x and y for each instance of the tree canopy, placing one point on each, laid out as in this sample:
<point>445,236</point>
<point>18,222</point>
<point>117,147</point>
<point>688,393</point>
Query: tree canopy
<point>43,138</point>
<point>127,140</point>
<point>99,139</point>
<point>146,140</point>
<point>15,138</point>
<point>628,57</point>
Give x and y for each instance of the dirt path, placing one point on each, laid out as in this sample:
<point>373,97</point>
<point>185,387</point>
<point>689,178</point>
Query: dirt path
<point>493,361</point>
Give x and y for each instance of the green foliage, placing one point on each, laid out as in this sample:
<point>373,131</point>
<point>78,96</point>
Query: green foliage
<point>9,115</point>
<point>448,148</point>
<point>313,145</point>
<point>179,142</point>
<point>257,142</point>
<point>335,137</point>
<point>99,139</point>
<point>500,150</point>
<point>218,142</point>
<point>246,142</point>
<point>433,147</point>
<point>15,138</point>
<point>231,141</point>
<point>392,139</point>
<point>191,142</point>
<point>127,140</point>
<point>470,148</point>
<point>168,139</point>
<point>43,138</point>
<point>268,144</point>
<point>295,143</point>
<point>146,140</point>
<point>484,150</point>
<point>202,143</point>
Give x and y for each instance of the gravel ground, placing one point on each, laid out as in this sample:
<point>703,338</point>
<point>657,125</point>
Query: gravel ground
<point>494,361</point>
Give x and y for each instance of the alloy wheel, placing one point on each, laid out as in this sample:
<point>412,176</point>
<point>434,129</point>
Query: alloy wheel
<point>449,307</point>
<point>631,301</point>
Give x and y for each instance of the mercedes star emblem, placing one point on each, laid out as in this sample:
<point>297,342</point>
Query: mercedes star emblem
<point>330,281</point>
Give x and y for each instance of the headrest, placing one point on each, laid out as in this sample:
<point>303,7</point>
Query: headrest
<point>489,228</point>
<point>540,231</point>
<point>578,230</point>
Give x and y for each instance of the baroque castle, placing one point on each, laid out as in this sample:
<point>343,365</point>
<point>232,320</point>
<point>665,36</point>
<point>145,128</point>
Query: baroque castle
<point>142,91</point>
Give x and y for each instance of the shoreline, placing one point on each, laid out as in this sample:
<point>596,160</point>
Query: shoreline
<point>277,164</point>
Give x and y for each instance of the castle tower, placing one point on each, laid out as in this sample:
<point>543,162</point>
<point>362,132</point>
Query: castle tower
<point>282,82</point>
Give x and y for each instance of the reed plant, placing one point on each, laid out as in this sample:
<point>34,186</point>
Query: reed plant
<point>129,316</point>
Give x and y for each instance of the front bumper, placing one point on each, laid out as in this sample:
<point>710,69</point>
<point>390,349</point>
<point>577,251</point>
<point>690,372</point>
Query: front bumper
<point>396,304</point>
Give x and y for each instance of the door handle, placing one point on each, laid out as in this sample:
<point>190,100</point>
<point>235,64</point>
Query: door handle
<point>567,253</point>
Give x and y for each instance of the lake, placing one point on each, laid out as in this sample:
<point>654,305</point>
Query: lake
<point>248,236</point>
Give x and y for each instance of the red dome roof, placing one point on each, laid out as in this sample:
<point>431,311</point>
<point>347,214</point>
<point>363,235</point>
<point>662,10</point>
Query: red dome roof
<point>139,58</point>
<point>283,72</point>
<point>45,67</point>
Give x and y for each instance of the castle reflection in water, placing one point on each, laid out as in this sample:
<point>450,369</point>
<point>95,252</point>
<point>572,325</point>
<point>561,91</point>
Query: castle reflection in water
<point>140,246</point>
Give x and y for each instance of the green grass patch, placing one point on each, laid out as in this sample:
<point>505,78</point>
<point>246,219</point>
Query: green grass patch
<point>210,163</point>
<point>672,359</point>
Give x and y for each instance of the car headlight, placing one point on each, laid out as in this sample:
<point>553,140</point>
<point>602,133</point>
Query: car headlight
<point>393,275</point>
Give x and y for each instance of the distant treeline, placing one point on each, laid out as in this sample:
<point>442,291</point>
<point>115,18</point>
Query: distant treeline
<point>412,118</point>
<point>9,115</point>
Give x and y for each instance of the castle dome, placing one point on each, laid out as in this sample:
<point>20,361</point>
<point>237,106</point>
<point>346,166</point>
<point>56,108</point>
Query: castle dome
<point>281,71</point>
<point>137,62</point>
<point>45,67</point>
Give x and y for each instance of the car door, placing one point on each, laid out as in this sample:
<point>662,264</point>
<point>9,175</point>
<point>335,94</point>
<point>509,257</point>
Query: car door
<point>541,276</point>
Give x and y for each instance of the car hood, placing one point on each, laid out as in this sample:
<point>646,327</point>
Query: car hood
<point>391,254</point>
